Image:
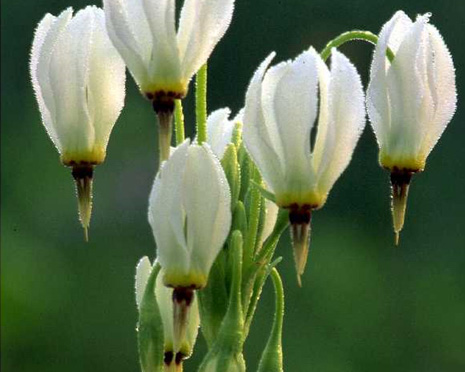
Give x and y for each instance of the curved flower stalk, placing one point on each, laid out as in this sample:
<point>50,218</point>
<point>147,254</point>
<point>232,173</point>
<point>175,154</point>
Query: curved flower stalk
<point>410,101</point>
<point>78,79</point>
<point>190,215</point>
<point>280,110</point>
<point>172,358</point>
<point>220,129</point>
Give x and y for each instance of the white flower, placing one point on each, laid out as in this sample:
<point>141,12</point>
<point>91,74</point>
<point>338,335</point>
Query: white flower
<point>164,296</point>
<point>411,100</point>
<point>162,59</point>
<point>280,111</point>
<point>189,211</point>
<point>78,78</point>
<point>220,129</point>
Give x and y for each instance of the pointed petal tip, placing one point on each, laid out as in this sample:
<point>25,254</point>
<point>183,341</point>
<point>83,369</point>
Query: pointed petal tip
<point>400,182</point>
<point>82,175</point>
<point>300,243</point>
<point>86,234</point>
<point>396,238</point>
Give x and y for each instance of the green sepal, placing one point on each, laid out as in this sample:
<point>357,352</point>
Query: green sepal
<point>272,356</point>
<point>237,135</point>
<point>261,224</point>
<point>239,218</point>
<point>213,300</point>
<point>246,169</point>
<point>226,353</point>
<point>150,328</point>
<point>233,174</point>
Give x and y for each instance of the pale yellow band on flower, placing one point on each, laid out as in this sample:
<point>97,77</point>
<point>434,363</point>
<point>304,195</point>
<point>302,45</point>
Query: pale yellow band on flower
<point>178,89</point>
<point>414,164</point>
<point>312,198</point>
<point>95,156</point>
<point>177,278</point>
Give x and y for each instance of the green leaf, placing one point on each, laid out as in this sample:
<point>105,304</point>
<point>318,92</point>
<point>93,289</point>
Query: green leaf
<point>150,328</point>
<point>232,170</point>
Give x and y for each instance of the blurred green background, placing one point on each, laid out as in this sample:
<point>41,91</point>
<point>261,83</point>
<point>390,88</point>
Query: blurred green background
<point>365,305</point>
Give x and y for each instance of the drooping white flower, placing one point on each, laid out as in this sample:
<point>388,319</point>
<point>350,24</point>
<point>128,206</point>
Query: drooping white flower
<point>220,129</point>
<point>164,296</point>
<point>161,59</point>
<point>410,100</point>
<point>78,79</point>
<point>280,110</point>
<point>189,211</point>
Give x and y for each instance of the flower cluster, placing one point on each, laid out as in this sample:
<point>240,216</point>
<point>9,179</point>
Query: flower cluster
<point>220,202</point>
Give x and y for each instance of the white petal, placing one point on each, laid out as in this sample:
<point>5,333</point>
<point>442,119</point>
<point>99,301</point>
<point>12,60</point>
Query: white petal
<point>378,105</point>
<point>166,212</point>
<point>259,141</point>
<point>129,32</point>
<point>69,69</point>
<point>143,269</point>
<point>219,130</point>
<point>346,120</point>
<point>106,88</point>
<point>289,101</point>
<point>324,78</point>
<point>409,94</point>
<point>45,38</point>
<point>442,84</point>
<point>164,65</point>
<point>207,203</point>
<point>165,305</point>
<point>270,219</point>
<point>202,25</point>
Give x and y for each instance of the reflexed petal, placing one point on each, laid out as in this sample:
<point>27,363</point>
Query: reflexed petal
<point>207,202</point>
<point>346,120</point>
<point>201,26</point>
<point>259,139</point>
<point>165,304</point>
<point>143,269</point>
<point>220,130</point>
<point>270,219</point>
<point>410,98</point>
<point>441,75</point>
<point>289,100</point>
<point>166,213</point>
<point>164,63</point>
<point>378,104</point>
<point>129,32</point>
<point>45,38</point>
<point>69,69</point>
<point>106,89</point>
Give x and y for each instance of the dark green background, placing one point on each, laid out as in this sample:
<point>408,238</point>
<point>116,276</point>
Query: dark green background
<point>365,305</point>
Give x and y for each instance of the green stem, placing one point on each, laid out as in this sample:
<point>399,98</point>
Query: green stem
<point>353,35</point>
<point>270,243</point>
<point>272,357</point>
<point>164,134</point>
<point>179,122</point>
<point>201,104</point>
